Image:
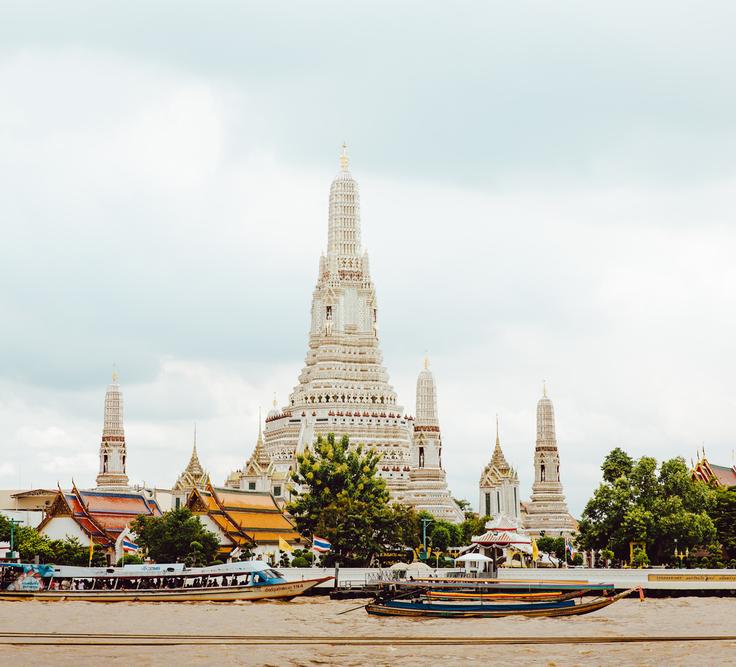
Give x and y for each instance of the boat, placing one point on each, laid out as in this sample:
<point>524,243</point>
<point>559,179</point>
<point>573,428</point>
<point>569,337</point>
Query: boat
<point>423,607</point>
<point>230,582</point>
<point>520,596</point>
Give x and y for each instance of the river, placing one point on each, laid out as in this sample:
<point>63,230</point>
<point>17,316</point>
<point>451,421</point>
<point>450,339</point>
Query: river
<point>318,616</point>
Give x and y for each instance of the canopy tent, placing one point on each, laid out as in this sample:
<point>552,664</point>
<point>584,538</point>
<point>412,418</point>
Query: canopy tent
<point>473,558</point>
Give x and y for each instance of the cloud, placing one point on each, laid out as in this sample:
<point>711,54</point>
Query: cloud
<point>533,209</point>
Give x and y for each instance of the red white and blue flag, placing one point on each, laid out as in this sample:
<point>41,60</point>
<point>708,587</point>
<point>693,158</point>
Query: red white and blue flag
<point>130,547</point>
<point>320,544</point>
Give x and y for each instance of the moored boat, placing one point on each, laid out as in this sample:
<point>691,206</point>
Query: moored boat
<point>247,580</point>
<point>423,607</point>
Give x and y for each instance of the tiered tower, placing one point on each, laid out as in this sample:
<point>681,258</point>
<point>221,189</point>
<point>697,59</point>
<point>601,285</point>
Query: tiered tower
<point>499,486</point>
<point>343,387</point>
<point>427,488</point>
<point>194,476</point>
<point>112,448</point>
<point>547,512</point>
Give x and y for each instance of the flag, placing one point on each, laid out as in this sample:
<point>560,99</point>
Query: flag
<point>130,547</point>
<point>284,545</point>
<point>320,544</point>
<point>91,550</point>
<point>535,550</point>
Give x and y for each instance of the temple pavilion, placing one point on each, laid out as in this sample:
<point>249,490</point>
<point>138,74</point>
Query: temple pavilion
<point>710,473</point>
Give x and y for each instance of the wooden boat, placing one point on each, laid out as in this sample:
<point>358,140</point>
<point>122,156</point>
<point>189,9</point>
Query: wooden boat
<point>248,580</point>
<point>543,596</point>
<point>425,608</point>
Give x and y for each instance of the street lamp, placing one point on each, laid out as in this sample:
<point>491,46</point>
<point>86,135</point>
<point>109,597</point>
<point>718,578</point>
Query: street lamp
<point>13,524</point>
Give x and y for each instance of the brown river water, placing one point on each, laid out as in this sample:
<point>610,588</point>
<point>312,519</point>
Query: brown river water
<point>317,616</point>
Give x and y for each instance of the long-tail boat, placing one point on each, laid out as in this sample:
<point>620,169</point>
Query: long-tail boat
<point>520,596</point>
<point>248,580</point>
<point>426,608</point>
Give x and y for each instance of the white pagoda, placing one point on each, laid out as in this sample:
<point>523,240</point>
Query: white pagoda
<point>499,486</point>
<point>547,512</point>
<point>112,473</point>
<point>343,387</point>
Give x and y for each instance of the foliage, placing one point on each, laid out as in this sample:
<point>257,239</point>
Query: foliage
<point>176,536</point>
<point>129,559</point>
<point>300,561</point>
<point>640,558</point>
<point>554,546</point>
<point>341,497</point>
<point>636,502</point>
<point>724,517</point>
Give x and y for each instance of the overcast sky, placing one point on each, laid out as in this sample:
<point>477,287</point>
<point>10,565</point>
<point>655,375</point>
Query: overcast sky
<point>548,192</point>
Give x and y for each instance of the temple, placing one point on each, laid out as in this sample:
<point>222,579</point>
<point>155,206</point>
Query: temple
<point>710,473</point>
<point>112,473</point>
<point>427,489</point>
<point>98,516</point>
<point>193,477</point>
<point>343,387</point>
<point>243,520</point>
<point>499,486</point>
<point>547,512</point>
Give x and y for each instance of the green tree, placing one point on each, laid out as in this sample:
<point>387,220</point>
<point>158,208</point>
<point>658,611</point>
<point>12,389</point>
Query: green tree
<point>129,559</point>
<point>637,502</point>
<point>176,536</point>
<point>340,497</point>
<point>723,514</point>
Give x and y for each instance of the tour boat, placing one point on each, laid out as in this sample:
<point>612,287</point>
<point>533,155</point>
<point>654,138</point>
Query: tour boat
<point>426,608</point>
<point>247,580</point>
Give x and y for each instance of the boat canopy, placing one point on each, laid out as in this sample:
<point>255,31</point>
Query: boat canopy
<point>158,570</point>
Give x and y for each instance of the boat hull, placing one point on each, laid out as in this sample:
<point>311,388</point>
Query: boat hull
<point>285,590</point>
<point>396,608</point>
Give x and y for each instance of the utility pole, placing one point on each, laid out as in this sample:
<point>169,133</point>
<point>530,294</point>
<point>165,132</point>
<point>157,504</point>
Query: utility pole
<point>13,523</point>
<point>425,523</point>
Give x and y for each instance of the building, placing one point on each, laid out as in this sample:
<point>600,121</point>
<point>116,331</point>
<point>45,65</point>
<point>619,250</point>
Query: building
<point>499,486</point>
<point>343,387</point>
<point>243,520</point>
<point>98,515</point>
<point>547,511</point>
<point>710,473</point>
<point>28,508</point>
<point>113,453</point>
<point>427,488</point>
<point>259,473</point>
<point>193,477</point>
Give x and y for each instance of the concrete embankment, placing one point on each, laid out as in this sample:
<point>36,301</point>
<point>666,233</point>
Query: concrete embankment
<point>657,582</point>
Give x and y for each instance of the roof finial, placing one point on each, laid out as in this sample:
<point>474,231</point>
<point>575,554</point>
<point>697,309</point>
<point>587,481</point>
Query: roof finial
<point>114,373</point>
<point>344,160</point>
<point>498,438</point>
<point>260,432</point>
<point>195,437</point>
<point>426,360</point>
<point>544,388</point>
<point>274,400</point>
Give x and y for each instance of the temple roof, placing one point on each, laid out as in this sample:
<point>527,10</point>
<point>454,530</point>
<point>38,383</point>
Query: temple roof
<point>709,472</point>
<point>498,469</point>
<point>102,515</point>
<point>259,460</point>
<point>246,517</point>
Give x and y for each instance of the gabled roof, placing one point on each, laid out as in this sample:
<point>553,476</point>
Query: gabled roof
<point>708,472</point>
<point>194,475</point>
<point>246,517</point>
<point>102,515</point>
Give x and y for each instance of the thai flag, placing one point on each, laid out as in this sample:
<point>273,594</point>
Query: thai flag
<point>130,547</point>
<point>320,544</point>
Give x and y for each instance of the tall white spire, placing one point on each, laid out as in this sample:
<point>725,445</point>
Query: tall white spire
<point>343,237</point>
<point>112,447</point>
<point>426,398</point>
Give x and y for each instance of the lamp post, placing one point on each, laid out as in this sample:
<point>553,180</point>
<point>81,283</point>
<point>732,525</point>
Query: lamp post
<point>13,524</point>
<point>425,523</point>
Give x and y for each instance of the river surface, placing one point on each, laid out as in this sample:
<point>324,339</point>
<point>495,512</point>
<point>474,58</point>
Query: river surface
<point>318,616</point>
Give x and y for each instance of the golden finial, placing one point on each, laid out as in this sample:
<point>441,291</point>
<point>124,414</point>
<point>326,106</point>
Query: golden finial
<point>344,160</point>
<point>426,361</point>
<point>544,388</point>
<point>114,373</point>
<point>274,400</point>
<point>498,438</point>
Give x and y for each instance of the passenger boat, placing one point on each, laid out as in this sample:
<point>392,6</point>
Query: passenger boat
<point>247,580</point>
<point>426,608</point>
<point>520,596</point>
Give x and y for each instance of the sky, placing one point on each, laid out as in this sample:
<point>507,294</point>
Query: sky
<point>547,189</point>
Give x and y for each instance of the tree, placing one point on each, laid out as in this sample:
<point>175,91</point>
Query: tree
<point>723,514</point>
<point>340,497</point>
<point>129,559</point>
<point>636,502</point>
<point>176,536</point>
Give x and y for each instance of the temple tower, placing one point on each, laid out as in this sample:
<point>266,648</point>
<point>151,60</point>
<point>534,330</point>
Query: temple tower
<point>499,486</point>
<point>193,477</point>
<point>547,512</point>
<point>343,387</point>
<point>427,489</point>
<point>112,447</point>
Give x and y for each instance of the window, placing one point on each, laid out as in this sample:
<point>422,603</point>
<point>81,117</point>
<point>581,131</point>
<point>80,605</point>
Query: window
<point>251,486</point>
<point>498,501</point>
<point>177,503</point>
<point>276,490</point>
<point>542,474</point>
<point>516,501</point>
<point>488,504</point>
